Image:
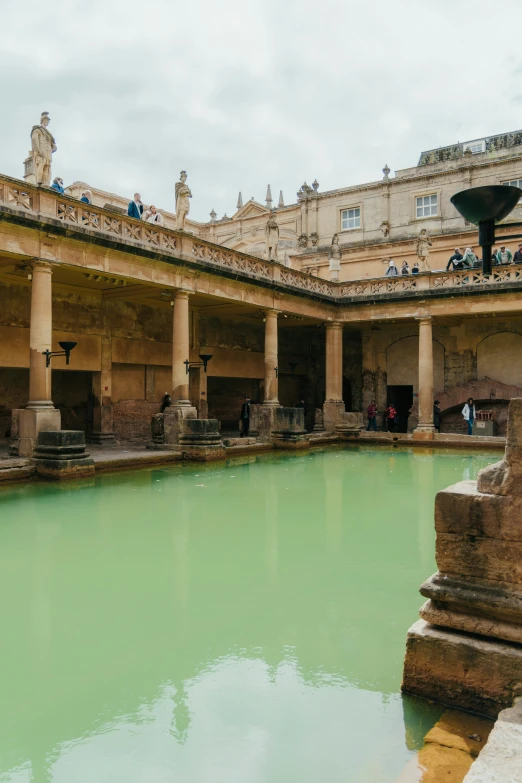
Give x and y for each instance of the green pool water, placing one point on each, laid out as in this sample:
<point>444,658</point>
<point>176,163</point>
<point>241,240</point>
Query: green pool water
<point>238,624</point>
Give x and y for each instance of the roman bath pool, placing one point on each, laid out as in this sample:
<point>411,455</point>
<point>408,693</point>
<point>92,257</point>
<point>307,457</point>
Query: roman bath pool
<point>227,624</point>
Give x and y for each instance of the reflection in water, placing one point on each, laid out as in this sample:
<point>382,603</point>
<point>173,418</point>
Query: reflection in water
<point>242,623</point>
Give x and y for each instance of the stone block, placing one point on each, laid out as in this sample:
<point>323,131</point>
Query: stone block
<point>332,413</point>
<point>157,428</point>
<point>61,455</point>
<point>460,670</point>
<point>288,421</point>
<point>492,600</point>
<point>479,558</point>
<point>174,417</point>
<point>462,510</point>
<point>201,440</point>
<point>31,422</point>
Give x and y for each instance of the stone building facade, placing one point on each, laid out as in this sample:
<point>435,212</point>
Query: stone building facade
<point>139,300</point>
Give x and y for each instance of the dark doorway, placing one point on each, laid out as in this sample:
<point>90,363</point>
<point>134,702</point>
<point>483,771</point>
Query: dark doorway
<point>347,394</point>
<point>401,398</point>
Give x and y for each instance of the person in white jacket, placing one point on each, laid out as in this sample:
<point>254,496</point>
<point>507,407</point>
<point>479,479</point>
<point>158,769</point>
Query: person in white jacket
<point>469,414</point>
<point>153,216</point>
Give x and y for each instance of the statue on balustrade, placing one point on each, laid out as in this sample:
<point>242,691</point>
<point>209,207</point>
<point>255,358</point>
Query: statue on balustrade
<point>423,250</point>
<point>271,237</point>
<point>42,147</point>
<point>183,195</point>
<point>334,257</point>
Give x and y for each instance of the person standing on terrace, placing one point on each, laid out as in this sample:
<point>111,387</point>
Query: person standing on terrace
<point>58,185</point>
<point>371,411</point>
<point>455,260</point>
<point>153,216</point>
<point>392,270</point>
<point>469,413</point>
<point>405,269</point>
<point>86,197</point>
<point>517,258</point>
<point>135,208</point>
<point>505,256</point>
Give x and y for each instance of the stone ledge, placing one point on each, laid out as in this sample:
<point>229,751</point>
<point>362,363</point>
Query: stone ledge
<point>501,759</point>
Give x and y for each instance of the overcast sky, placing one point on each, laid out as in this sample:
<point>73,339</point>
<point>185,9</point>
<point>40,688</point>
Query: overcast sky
<point>242,93</point>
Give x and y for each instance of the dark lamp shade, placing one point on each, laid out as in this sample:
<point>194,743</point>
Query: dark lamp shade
<point>65,346</point>
<point>205,357</point>
<point>490,202</point>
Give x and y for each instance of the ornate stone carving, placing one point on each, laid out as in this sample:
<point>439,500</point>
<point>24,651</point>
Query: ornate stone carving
<point>423,250</point>
<point>386,228</point>
<point>335,258</point>
<point>386,171</point>
<point>271,238</point>
<point>314,238</point>
<point>42,147</point>
<point>302,241</point>
<point>183,195</point>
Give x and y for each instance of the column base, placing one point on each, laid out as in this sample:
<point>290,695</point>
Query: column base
<point>173,419</point>
<point>100,437</point>
<point>424,433</point>
<point>461,670</point>
<point>332,414</point>
<point>272,403</point>
<point>31,421</point>
<point>61,455</point>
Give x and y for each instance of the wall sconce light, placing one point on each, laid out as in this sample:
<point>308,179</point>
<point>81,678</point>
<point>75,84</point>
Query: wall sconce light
<point>67,348</point>
<point>276,371</point>
<point>292,366</point>
<point>205,358</point>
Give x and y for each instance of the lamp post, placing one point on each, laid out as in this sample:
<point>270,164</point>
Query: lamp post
<point>486,206</point>
<point>66,351</point>
<point>205,358</point>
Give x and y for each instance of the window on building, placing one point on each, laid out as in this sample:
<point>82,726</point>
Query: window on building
<point>515,183</point>
<point>427,206</point>
<point>350,218</point>
<point>476,146</point>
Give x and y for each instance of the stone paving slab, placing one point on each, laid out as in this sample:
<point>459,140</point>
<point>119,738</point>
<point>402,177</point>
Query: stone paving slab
<point>501,759</point>
<point>113,458</point>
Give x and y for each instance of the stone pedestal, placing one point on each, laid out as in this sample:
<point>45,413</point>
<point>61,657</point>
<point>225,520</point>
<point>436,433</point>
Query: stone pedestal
<point>201,440</point>
<point>262,420</point>
<point>61,455</point>
<point>467,649</point>
<point>318,420</point>
<point>350,425</point>
<point>332,413</point>
<point>289,430</point>
<point>32,421</point>
<point>173,421</point>
<point>157,428</point>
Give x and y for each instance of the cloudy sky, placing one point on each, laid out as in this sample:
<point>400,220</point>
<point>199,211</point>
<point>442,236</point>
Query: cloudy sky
<point>242,93</point>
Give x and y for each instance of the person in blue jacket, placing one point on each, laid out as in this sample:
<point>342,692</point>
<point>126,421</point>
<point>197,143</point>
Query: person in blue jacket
<point>135,208</point>
<point>58,185</point>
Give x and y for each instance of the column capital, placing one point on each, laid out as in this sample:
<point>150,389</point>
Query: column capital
<point>333,324</point>
<point>39,265</point>
<point>273,313</point>
<point>426,319</point>
<point>180,293</point>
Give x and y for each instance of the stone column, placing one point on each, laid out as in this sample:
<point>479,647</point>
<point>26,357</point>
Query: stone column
<point>180,349</point>
<point>271,358</point>
<point>425,428</point>
<point>103,426</point>
<point>333,407</point>
<point>40,413</point>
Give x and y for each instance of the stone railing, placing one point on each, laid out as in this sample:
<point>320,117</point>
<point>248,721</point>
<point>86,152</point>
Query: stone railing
<point>45,203</point>
<point>432,281</point>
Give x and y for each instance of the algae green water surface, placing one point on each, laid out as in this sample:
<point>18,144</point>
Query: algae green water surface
<point>238,624</point>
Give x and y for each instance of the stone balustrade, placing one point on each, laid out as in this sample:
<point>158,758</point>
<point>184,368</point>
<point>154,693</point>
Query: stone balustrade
<point>45,203</point>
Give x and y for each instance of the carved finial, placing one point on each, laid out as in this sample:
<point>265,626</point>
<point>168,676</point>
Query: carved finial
<point>386,171</point>
<point>269,197</point>
<point>213,216</point>
<point>281,200</point>
<point>315,185</point>
<point>239,201</point>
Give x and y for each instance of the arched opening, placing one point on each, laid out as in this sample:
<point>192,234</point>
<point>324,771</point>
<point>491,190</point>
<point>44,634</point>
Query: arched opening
<point>499,357</point>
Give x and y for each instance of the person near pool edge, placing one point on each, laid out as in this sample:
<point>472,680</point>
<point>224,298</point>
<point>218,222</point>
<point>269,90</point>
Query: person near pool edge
<point>245,417</point>
<point>436,415</point>
<point>469,413</point>
<point>371,412</point>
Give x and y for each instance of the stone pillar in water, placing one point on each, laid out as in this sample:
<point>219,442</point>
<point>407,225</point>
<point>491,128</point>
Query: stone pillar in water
<point>466,651</point>
<point>271,359</point>
<point>40,413</point>
<point>181,409</point>
<point>425,428</point>
<point>333,407</point>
